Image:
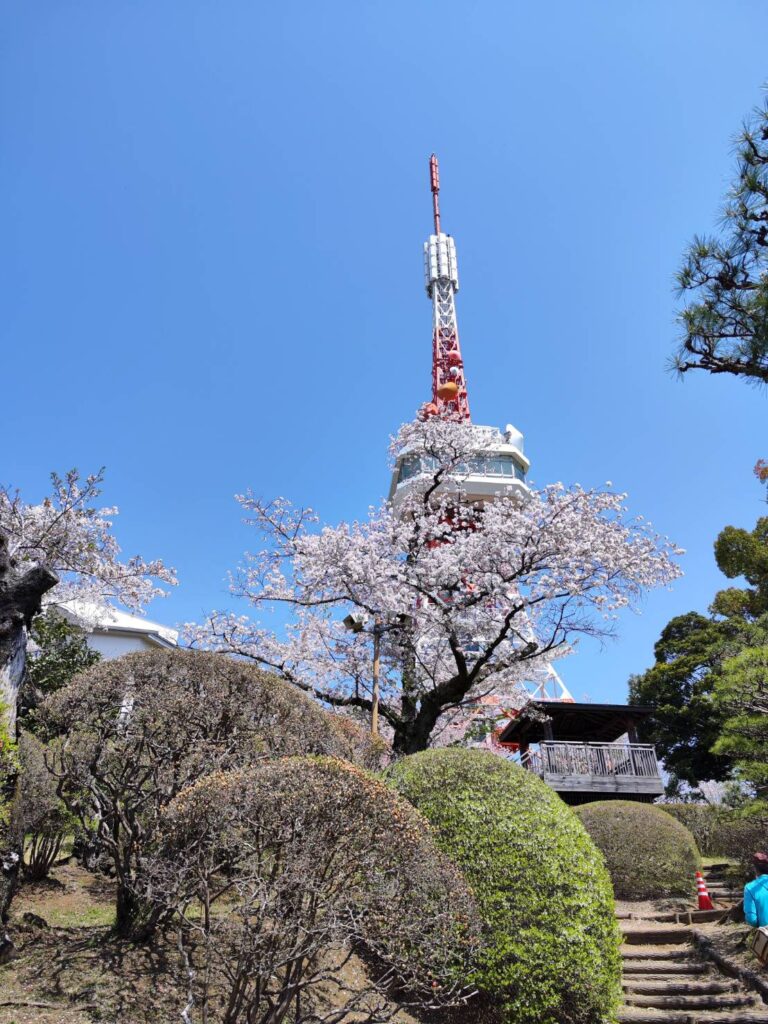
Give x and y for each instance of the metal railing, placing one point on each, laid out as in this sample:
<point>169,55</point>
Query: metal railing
<point>606,759</point>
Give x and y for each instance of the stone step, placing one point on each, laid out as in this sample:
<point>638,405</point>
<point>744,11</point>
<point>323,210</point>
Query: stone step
<point>661,1002</point>
<point>628,916</point>
<point>656,936</point>
<point>683,917</point>
<point>691,987</point>
<point>699,916</point>
<point>630,953</point>
<point>636,1015</point>
<point>660,967</point>
<point>756,1016</point>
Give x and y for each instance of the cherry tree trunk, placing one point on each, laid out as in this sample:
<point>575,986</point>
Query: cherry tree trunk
<point>20,595</point>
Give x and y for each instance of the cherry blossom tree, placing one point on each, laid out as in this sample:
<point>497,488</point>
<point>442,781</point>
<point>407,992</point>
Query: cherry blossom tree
<point>64,542</point>
<point>461,600</point>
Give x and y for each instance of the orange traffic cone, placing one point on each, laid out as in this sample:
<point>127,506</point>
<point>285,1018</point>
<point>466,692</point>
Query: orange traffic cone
<point>705,903</point>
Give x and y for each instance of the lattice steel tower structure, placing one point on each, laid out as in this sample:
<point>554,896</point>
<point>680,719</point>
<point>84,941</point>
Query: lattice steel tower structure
<point>441,273</point>
<point>502,466</point>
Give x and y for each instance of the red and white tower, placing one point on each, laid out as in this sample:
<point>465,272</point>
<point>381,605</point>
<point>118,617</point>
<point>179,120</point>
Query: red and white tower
<point>449,386</point>
<point>500,466</point>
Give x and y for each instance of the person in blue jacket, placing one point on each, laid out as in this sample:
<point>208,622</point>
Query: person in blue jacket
<point>756,893</point>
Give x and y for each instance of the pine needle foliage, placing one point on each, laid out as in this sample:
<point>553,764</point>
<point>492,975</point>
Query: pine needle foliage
<point>741,693</point>
<point>724,278</point>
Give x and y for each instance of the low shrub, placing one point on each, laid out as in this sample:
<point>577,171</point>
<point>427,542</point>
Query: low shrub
<point>39,819</point>
<point>742,835</point>
<point>551,942</point>
<point>725,832</point>
<point>280,871</point>
<point>707,823</point>
<point>133,732</point>
<point>355,743</point>
<point>648,852</point>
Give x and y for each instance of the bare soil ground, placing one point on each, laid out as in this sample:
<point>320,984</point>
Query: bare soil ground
<point>74,971</point>
<point>732,942</point>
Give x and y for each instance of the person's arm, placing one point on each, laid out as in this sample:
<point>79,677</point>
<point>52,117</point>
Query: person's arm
<point>750,907</point>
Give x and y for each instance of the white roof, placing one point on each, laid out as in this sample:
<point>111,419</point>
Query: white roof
<point>98,618</point>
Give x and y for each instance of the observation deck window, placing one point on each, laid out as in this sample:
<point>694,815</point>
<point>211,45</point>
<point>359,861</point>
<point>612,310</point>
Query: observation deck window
<point>484,465</point>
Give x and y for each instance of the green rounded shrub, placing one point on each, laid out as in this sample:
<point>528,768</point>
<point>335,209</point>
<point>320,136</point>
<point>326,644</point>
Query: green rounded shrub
<point>550,952</point>
<point>648,852</point>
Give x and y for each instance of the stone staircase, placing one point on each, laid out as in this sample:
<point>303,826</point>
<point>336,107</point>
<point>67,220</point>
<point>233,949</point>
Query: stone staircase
<point>721,886</point>
<point>666,981</point>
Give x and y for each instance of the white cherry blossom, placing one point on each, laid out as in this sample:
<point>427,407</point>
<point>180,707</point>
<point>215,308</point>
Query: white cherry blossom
<point>465,600</point>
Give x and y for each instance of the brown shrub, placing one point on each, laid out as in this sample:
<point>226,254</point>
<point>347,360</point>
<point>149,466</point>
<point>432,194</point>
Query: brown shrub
<point>705,822</point>
<point>355,743</point>
<point>725,832</point>
<point>280,871</point>
<point>136,731</point>
<point>39,820</point>
<point>741,836</point>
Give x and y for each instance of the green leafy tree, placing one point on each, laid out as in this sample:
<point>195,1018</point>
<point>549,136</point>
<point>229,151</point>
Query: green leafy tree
<point>685,724</point>
<point>744,553</point>
<point>741,696</point>
<point>60,652</point>
<point>724,278</point>
<point>687,721</point>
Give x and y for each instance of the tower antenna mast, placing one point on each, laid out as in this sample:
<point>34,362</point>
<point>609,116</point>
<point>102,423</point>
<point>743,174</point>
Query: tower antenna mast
<point>449,386</point>
<point>434,184</point>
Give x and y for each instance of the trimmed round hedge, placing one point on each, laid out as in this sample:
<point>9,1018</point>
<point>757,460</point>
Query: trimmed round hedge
<point>321,858</point>
<point>551,943</point>
<point>189,697</point>
<point>648,852</point>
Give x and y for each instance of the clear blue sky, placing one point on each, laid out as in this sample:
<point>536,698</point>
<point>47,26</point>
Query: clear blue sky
<point>212,219</point>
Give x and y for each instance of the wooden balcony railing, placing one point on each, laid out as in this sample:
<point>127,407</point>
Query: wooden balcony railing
<point>597,759</point>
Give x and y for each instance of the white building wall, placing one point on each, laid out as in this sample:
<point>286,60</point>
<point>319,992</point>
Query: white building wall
<point>112,645</point>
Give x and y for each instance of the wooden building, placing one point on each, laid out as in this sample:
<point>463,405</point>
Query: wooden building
<point>586,751</point>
